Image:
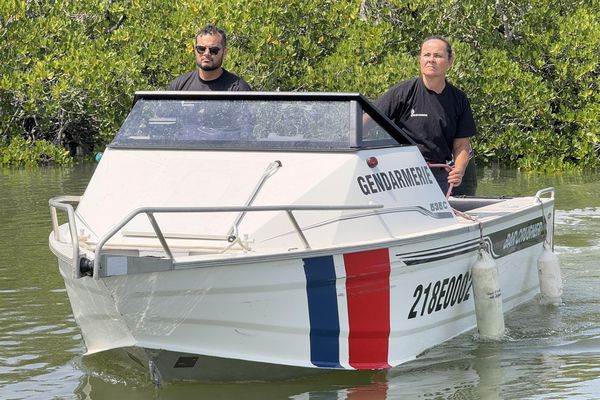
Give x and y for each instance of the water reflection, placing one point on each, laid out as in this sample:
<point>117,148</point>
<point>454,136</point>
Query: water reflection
<point>486,371</point>
<point>359,385</point>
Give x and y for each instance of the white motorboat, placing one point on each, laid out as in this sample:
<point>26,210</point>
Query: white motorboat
<point>247,235</point>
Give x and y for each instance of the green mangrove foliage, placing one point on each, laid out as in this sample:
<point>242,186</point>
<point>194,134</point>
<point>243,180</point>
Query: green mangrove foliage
<point>22,152</point>
<point>69,69</point>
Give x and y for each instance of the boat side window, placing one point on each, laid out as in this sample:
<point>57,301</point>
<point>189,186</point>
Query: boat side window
<point>373,133</point>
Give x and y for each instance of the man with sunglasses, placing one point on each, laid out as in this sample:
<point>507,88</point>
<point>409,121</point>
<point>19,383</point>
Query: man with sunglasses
<point>210,50</point>
<point>437,116</point>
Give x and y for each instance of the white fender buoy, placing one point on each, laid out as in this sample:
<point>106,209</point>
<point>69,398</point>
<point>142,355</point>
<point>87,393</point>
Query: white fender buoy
<point>551,286</point>
<point>488,298</point>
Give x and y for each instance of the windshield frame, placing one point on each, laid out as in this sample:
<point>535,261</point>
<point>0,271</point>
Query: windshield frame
<point>359,107</point>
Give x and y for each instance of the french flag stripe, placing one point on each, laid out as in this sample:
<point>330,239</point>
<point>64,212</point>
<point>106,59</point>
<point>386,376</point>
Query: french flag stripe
<point>323,311</point>
<point>368,294</point>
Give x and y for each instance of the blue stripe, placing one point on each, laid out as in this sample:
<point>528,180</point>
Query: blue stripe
<point>323,312</point>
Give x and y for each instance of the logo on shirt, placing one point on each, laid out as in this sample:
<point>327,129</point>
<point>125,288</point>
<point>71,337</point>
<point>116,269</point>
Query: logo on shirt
<point>414,114</point>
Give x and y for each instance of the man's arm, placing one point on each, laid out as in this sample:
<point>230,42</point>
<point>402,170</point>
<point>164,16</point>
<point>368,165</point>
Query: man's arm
<point>461,150</point>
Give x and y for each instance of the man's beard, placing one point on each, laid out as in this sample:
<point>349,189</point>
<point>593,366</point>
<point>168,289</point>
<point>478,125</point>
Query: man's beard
<point>212,67</point>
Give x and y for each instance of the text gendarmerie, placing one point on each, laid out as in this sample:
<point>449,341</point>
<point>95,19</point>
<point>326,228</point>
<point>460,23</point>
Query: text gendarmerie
<point>396,179</point>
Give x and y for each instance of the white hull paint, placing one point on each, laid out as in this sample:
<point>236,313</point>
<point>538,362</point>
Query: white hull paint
<point>258,312</point>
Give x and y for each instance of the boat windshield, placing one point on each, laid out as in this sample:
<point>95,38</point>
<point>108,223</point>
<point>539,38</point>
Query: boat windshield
<point>256,120</point>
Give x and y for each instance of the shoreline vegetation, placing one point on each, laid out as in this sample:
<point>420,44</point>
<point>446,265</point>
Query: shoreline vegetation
<point>531,69</point>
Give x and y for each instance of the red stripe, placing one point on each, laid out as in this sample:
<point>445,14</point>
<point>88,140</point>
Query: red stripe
<point>368,294</point>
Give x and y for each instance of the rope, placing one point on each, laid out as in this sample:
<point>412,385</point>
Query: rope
<point>448,168</point>
<point>466,216</point>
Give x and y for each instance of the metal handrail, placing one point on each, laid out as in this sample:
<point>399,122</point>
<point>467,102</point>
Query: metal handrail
<point>62,202</point>
<point>272,168</point>
<point>538,200</point>
<point>542,192</point>
<point>150,211</point>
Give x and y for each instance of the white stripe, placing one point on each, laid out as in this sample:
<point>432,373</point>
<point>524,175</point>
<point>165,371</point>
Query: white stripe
<point>342,302</point>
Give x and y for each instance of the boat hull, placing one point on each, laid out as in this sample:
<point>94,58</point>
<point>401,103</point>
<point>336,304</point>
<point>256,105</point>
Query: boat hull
<point>365,307</point>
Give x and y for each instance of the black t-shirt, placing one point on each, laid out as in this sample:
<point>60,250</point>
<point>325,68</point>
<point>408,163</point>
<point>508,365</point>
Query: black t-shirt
<point>432,120</point>
<point>226,82</point>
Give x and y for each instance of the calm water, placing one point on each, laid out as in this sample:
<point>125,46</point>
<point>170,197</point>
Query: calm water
<point>550,353</point>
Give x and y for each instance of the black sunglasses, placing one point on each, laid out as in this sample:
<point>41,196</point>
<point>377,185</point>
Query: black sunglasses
<point>213,50</point>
